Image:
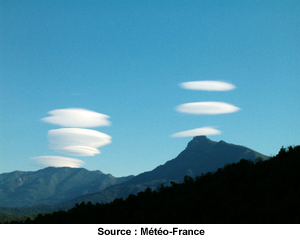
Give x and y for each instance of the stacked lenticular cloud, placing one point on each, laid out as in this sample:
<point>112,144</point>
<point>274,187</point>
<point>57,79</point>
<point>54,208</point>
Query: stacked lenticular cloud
<point>205,108</point>
<point>74,139</point>
<point>77,117</point>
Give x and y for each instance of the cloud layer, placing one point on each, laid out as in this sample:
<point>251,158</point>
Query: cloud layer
<point>197,132</point>
<point>207,85</point>
<point>77,117</point>
<point>207,108</point>
<point>57,161</point>
<point>77,141</point>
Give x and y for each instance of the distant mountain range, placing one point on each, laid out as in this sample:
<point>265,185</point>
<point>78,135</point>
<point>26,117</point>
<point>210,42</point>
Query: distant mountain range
<point>67,186</point>
<point>51,185</point>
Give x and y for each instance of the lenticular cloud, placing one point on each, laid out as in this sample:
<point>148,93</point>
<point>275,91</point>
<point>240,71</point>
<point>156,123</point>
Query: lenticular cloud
<point>207,108</point>
<point>207,85</point>
<point>197,132</point>
<point>77,141</point>
<point>77,117</point>
<point>57,161</point>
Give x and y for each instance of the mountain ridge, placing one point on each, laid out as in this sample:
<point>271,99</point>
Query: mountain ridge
<point>246,192</point>
<point>195,153</point>
<point>192,161</point>
<point>51,185</point>
<point>67,186</point>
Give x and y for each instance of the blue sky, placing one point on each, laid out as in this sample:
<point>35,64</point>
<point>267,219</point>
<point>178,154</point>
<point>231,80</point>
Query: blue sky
<point>127,59</point>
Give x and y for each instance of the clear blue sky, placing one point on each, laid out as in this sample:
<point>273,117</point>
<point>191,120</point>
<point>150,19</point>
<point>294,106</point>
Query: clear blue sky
<point>126,59</point>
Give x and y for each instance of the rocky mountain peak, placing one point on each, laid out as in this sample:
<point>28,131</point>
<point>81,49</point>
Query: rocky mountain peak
<point>200,141</point>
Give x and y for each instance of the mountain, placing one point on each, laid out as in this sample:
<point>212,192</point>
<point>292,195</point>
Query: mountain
<point>65,187</point>
<point>247,192</point>
<point>51,185</point>
<point>200,156</point>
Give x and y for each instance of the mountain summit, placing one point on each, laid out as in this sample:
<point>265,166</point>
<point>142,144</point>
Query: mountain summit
<point>200,141</point>
<point>200,156</point>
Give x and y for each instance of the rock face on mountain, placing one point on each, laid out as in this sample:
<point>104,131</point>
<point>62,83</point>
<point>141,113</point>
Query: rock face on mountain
<point>51,185</point>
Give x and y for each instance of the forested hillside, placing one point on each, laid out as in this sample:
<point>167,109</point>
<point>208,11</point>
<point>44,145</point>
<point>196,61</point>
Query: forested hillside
<point>244,192</point>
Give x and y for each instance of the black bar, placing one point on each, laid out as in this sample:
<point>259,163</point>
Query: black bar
<point>150,230</point>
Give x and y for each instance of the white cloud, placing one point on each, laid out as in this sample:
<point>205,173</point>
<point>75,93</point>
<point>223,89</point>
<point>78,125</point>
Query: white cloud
<point>77,141</point>
<point>77,117</point>
<point>57,161</point>
<point>197,132</point>
<point>79,150</point>
<point>207,85</point>
<point>207,108</point>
